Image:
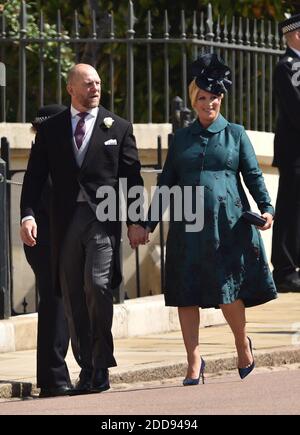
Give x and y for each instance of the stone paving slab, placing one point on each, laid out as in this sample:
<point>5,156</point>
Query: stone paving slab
<point>274,329</point>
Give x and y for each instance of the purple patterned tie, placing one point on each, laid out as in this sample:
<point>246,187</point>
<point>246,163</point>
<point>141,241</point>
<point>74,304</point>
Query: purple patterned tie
<point>80,129</point>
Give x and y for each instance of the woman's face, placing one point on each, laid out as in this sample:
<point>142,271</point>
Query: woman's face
<point>208,107</point>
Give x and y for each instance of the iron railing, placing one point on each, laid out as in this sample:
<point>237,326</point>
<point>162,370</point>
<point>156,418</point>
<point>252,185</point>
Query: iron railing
<point>153,65</point>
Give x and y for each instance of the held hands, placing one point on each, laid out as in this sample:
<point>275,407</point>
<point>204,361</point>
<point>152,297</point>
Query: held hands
<point>137,235</point>
<point>28,232</point>
<point>268,223</point>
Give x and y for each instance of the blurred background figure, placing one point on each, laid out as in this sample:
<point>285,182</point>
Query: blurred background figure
<point>286,232</point>
<point>53,337</point>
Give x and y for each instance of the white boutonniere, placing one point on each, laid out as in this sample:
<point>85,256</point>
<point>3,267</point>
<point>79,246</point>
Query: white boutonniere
<point>108,122</point>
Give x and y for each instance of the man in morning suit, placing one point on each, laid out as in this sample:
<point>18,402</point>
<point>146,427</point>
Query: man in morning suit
<point>84,148</point>
<point>286,230</point>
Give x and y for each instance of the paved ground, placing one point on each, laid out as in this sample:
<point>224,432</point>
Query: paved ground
<point>266,391</point>
<point>273,327</point>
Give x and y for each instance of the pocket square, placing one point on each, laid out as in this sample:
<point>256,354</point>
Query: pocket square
<point>111,142</point>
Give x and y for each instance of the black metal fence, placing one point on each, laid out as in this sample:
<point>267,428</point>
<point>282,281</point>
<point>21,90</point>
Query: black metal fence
<point>154,68</point>
<point>153,65</point>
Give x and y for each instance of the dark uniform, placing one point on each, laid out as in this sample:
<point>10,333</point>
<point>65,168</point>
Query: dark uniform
<point>286,231</point>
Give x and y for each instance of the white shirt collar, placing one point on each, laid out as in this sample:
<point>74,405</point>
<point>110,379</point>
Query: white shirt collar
<point>296,51</point>
<point>93,112</point>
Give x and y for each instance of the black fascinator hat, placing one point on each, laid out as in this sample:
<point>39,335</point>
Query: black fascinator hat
<point>211,74</point>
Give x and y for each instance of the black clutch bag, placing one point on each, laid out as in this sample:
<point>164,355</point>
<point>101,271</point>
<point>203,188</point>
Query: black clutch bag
<point>254,218</point>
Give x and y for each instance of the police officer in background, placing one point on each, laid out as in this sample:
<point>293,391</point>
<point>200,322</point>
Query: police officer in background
<point>286,230</point>
<point>53,335</point>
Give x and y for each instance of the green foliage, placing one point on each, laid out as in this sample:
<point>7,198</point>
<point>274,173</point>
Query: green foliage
<point>268,9</point>
<point>33,55</point>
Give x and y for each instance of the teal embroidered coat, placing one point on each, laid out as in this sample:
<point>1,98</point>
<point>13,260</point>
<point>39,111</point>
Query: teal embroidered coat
<point>226,260</point>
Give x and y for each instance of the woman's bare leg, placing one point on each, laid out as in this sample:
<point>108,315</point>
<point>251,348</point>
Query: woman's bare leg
<point>189,318</point>
<point>235,316</point>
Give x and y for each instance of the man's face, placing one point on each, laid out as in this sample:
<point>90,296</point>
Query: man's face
<point>293,39</point>
<point>85,88</point>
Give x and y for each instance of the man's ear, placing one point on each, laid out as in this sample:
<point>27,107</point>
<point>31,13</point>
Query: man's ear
<point>69,89</point>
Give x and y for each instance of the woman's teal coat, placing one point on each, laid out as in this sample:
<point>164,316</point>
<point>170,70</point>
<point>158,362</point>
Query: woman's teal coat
<point>226,260</point>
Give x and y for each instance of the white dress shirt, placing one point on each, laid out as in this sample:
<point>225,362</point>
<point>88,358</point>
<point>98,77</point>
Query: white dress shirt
<point>296,51</point>
<point>81,152</point>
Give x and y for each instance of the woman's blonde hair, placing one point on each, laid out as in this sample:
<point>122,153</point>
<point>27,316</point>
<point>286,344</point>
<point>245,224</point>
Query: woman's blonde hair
<point>193,93</point>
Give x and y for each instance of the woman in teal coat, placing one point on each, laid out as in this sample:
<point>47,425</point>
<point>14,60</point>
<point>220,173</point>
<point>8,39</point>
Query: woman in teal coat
<point>224,265</point>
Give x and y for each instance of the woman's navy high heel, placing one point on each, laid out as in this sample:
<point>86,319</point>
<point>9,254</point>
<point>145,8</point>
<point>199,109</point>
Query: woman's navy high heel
<point>243,372</point>
<point>191,381</point>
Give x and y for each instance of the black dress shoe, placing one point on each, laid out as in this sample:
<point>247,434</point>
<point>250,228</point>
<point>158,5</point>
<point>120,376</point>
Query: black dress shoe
<point>63,390</point>
<point>83,383</point>
<point>100,381</point>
